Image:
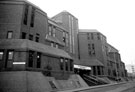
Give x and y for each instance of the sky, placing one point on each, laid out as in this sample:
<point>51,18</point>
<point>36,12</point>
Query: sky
<point>114,18</point>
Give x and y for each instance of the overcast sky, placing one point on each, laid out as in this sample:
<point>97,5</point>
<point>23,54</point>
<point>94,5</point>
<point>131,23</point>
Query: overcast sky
<point>114,18</point>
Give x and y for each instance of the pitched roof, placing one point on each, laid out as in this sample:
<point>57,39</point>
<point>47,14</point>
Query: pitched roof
<point>88,62</point>
<point>31,45</point>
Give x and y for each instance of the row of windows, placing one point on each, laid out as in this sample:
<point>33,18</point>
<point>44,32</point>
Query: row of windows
<point>54,45</point>
<point>91,36</point>
<point>91,49</point>
<point>35,57</point>
<point>52,32</point>
<point>9,54</point>
<point>26,12</point>
<point>31,37</point>
<point>67,64</point>
<point>64,63</point>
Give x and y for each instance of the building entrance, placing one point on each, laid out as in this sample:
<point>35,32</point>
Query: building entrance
<point>82,70</point>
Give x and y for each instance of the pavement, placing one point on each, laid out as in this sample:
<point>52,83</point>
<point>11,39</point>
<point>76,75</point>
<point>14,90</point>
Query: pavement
<point>116,87</point>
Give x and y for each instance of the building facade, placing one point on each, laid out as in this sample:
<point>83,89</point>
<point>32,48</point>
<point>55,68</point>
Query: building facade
<point>93,47</point>
<point>27,42</point>
<point>70,23</point>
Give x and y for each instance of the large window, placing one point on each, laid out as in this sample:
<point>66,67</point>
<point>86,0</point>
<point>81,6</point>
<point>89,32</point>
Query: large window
<point>64,37</point>
<point>23,35</point>
<point>50,29</point>
<point>62,64</point>
<point>26,14</point>
<point>32,17</point>
<point>71,65</point>
<point>92,36</point>
<point>10,34</point>
<point>10,55</point>
<point>66,64</point>
<point>54,32</point>
<point>98,36</point>
<point>9,59</point>
<point>1,55</point>
<point>37,38</point>
<point>31,59</point>
<point>38,60</point>
<point>88,37</point>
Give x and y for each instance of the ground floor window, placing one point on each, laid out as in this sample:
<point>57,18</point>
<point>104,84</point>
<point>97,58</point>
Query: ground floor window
<point>66,64</point>
<point>9,59</point>
<point>1,54</point>
<point>61,64</point>
<point>38,60</point>
<point>31,59</point>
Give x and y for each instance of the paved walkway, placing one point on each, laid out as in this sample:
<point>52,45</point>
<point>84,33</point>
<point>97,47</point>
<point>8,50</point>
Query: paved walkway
<point>117,87</point>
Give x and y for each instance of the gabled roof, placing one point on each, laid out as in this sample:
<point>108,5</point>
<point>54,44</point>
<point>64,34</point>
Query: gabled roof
<point>88,62</point>
<point>31,45</point>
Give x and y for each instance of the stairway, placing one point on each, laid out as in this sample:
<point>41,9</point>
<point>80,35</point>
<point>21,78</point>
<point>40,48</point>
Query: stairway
<point>92,80</point>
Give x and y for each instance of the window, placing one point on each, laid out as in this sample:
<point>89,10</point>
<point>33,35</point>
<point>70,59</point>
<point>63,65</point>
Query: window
<point>56,45</point>
<point>71,65</point>
<point>37,38</point>
<point>38,60</point>
<point>92,36</point>
<point>52,44</point>
<point>88,36</point>
<point>98,36</point>
<point>23,35</point>
<point>1,55</point>
<point>62,64</point>
<point>9,34</point>
<point>10,55</point>
<point>89,46</point>
<point>31,58</point>
<point>64,37</point>
<point>50,29</point>
<point>26,14</point>
<point>91,49</point>
<point>66,62</point>
<point>67,38</point>
<point>54,30</point>
<point>32,17</point>
<point>30,37</point>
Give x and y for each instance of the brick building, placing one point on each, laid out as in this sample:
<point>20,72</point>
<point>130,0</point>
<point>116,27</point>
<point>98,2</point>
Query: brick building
<point>70,23</point>
<point>31,41</point>
<point>103,58</point>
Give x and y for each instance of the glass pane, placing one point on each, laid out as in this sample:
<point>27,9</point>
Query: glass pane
<point>10,55</point>
<point>1,55</point>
